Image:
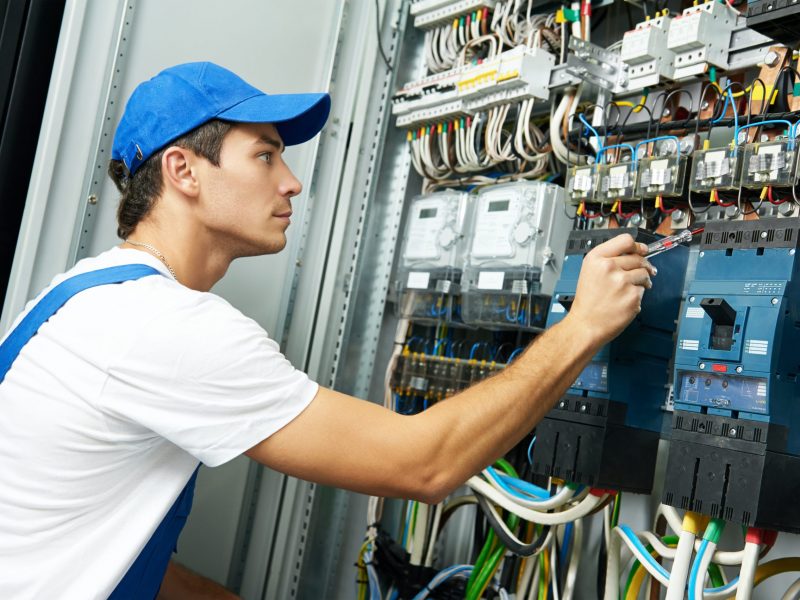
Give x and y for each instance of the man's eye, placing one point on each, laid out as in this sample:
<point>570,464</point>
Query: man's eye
<point>266,157</point>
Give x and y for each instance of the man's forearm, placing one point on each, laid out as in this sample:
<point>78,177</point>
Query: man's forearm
<point>489,418</point>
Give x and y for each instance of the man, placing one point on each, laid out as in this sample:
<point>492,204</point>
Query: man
<point>109,409</point>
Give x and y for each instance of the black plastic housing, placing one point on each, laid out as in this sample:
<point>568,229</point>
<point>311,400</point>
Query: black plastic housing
<point>584,440</point>
<point>721,467</point>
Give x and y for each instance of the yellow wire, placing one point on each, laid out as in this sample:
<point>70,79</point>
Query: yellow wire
<point>546,574</point>
<point>776,567</point>
<point>362,573</point>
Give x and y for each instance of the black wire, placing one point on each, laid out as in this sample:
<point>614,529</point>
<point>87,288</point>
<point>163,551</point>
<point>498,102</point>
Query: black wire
<point>378,30</point>
<point>678,91</point>
<point>512,545</point>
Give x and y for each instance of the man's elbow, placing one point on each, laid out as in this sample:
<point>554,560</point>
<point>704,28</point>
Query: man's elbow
<point>433,484</point>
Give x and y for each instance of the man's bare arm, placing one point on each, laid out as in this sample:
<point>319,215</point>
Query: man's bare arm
<point>342,441</point>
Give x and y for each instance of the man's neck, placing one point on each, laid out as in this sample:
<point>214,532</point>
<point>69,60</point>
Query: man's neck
<point>195,261</point>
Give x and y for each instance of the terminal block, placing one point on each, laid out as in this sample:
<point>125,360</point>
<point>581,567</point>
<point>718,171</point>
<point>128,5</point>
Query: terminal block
<point>521,73</point>
<point>700,37</point>
<point>581,184</point>
<point>604,432</point>
<point>645,51</point>
<point>770,163</point>
<point>735,438</point>
<point>433,13</point>
<point>428,274</point>
<point>719,169</point>
<point>514,255</point>
<point>663,176</point>
<point>616,182</point>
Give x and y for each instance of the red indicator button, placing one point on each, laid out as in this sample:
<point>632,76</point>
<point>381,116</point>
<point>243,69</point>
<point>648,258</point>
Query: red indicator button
<point>719,368</point>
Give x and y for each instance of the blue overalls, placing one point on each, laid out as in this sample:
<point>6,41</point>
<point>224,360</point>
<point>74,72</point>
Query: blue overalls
<point>144,577</point>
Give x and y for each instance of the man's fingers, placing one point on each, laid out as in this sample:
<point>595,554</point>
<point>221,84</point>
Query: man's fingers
<point>639,277</point>
<point>628,262</point>
<point>621,244</point>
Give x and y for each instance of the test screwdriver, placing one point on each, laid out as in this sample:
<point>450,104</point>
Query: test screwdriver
<point>671,241</point>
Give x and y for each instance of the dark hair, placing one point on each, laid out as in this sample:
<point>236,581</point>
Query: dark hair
<point>140,191</point>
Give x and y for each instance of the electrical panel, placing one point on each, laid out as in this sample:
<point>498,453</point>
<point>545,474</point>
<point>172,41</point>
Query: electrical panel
<point>429,268</point>
<point>514,254</point>
<point>604,432</point>
<point>735,444</point>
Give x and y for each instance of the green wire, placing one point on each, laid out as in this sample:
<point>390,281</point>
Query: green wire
<point>615,512</point>
<point>486,562</point>
<point>713,569</point>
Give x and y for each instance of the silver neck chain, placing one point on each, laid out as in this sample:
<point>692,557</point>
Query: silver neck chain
<point>157,254</point>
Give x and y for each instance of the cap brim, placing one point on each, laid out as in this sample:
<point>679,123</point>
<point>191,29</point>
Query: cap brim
<point>298,117</point>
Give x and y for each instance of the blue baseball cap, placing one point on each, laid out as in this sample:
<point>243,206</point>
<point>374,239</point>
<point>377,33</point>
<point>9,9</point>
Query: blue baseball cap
<point>183,97</point>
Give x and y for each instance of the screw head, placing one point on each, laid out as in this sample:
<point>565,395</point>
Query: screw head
<point>691,298</point>
<point>771,59</point>
<point>732,432</point>
<point>739,369</point>
<point>763,234</point>
<point>791,252</point>
<point>774,301</point>
<point>702,366</point>
<point>702,254</point>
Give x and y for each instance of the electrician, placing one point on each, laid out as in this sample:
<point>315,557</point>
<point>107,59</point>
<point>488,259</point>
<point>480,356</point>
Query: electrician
<point>110,408</point>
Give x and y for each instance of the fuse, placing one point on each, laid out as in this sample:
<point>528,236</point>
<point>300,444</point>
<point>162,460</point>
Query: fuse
<point>671,241</point>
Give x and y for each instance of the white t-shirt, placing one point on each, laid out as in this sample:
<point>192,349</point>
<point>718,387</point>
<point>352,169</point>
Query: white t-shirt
<point>107,411</point>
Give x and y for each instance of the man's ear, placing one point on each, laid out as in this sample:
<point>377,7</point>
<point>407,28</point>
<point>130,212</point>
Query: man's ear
<point>177,169</point>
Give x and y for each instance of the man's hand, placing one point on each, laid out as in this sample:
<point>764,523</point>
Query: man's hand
<point>613,279</point>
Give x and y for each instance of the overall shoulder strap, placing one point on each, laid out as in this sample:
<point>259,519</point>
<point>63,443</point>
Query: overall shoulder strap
<point>56,298</point>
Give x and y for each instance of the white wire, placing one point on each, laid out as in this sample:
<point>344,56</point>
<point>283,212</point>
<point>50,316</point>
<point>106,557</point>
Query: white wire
<point>671,515</point>
<point>533,591</point>
<point>680,566</point>
<point>587,505</point>
<point>437,519</point>
<point>420,533</point>
<point>574,561</point>
<point>554,572</point>
<point>547,540</point>
<point>705,561</point>
<point>562,497</point>
<point>793,593</point>
<point>747,573</point>
<point>611,591</point>
<point>526,577</point>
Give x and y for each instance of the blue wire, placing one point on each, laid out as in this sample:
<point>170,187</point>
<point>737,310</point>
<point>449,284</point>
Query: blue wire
<point>441,577</point>
<point>604,148</point>
<point>662,137</point>
<point>770,122</point>
<point>590,128</point>
<point>646,553</point>
<point>696,567</point>
<point>436,346</point>
<point>509,484</point>
<point>562,558</point>
<point>729,98</point>
<point>475,346</point>
<point>533,441</point>
<point>514,355</point>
